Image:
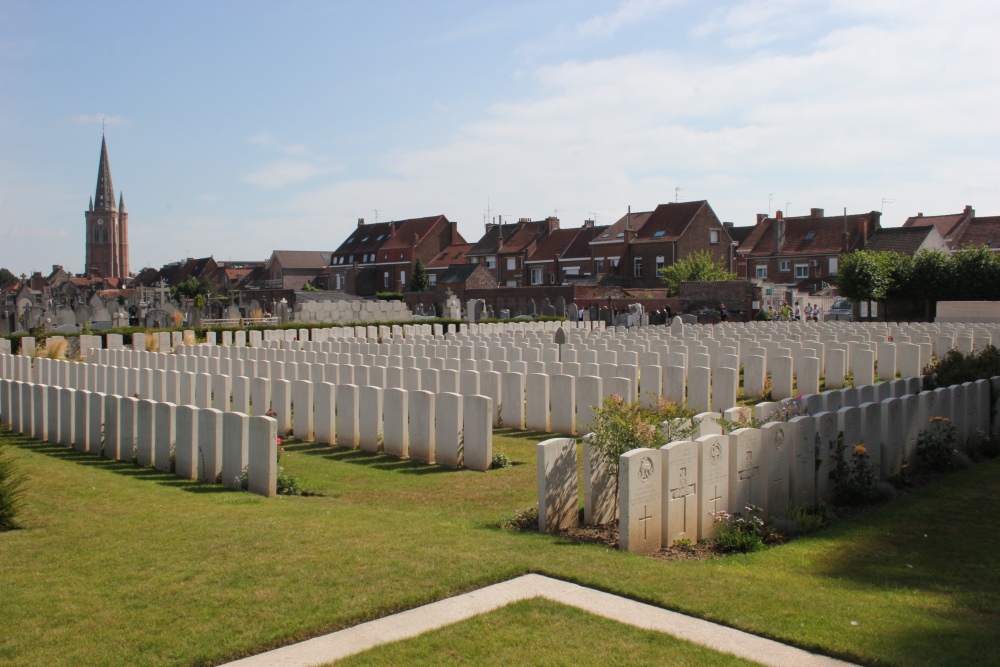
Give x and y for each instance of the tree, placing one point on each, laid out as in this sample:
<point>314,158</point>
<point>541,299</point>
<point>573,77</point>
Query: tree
<point>697,267</point>
<point>6,278</point>
<point>867,275</point>
<point>976,274</point>
<point>931,278</point>
<point>190,288</point>
<point>418,283</point>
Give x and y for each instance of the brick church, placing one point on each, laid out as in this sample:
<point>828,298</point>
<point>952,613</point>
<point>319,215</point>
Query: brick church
<point>107,227</point>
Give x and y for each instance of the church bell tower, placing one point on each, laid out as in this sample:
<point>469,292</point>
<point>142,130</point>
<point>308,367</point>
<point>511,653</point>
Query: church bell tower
<point>107,227</point>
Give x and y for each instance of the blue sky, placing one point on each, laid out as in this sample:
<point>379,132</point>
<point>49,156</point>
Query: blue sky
<point>237,128</point>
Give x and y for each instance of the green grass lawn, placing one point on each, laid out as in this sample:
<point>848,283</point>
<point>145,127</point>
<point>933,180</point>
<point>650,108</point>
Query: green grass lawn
<point>123,565</point>
<point>542,632</point>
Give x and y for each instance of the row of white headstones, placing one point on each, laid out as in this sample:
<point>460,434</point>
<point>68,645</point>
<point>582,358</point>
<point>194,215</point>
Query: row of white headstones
<point>407,375</point>
<point>676,492</point>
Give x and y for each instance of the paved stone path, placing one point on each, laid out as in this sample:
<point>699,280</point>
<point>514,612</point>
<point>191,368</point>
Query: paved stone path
<point>337,645</point>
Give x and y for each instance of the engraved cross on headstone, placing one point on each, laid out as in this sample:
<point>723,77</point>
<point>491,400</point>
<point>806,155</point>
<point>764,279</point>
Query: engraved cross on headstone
<point>749,472</point>
<point>716,499</point>
<point>644,520</point>
<point>685,491</point>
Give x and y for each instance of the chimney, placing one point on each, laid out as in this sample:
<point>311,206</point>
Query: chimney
<point>392,228</point>
<point>778,215</point>
<point>761,217</point>
<point>969,211</point>
<point>778,225</point>
<point>628,226</point>
<point>55,268</point>
<point>844,245</point>
<point>728,225</point>
<point>920,214</point>
<point>588,223</point>
<point>864,233</point>
<point>361,222</point>
<point>553,223</point>
<point>816,213</point>
<point>454,231</point>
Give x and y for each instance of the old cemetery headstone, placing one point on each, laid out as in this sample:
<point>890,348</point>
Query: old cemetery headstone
<point>803,465</point>
<point>640,501</point>
<point>262,455</point>
<point>557,484</point>
<point>713,482</point>
<point>747,474</point>
<point>235,444</point>
<point>680,492</point>
<point>599,501</point>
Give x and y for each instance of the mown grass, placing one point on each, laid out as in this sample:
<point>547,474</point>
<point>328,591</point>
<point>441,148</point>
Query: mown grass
<point>122,565</point>
<point>542,632</point>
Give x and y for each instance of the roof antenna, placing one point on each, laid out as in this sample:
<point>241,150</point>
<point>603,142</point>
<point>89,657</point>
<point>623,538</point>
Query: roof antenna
<point>788,206</point>
<point>593,215</point>
<point>677,194</point>
<point>769,198</point>
<point>376,216</point>
<point>884,202</point>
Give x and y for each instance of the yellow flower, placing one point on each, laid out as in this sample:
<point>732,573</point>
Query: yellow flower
<point>945,420</point>
<point>860,450</point>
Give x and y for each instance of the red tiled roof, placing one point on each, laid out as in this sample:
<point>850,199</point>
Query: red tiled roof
<point>580,246</point>
<point>487,245</point>
<point>670,219</point>
<point>904,240</point>
<point>616,232</point>
<point>980,231</point>
<point>453,254</point>
<point>408,230</point>
<point>808,235</point>
<point>945,224</point>
<point>525,234</point>
<point>555,243</point>
<point>302,259</point>
<point>365,239</point>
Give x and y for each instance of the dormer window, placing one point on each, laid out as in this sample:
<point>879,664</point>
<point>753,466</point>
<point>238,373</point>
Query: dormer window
<point>659,233</point>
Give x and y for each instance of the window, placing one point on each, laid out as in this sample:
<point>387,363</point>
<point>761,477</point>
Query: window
<point>386,280</point>
<point>604,236</point>
<point>365,239</point>
<point>761,271</point>
<point>659,263</point>
<point>338,282</point>
<point>833,266</point>
<point>511,263</point>
<point>511,283</point>
<point>801,271</point>
<point>491,262</point>
<point>536,276</point>
<point>784,266</point>
<point>619,235</point>
<point>552,279</point>
<point>572,271</point>
<point>713,236</point>
<point>402,277</point>
<point>598,266</point>
<point>637,267</point>
<point>613,262</point>
<point>810,236</point>
<point>658,234</point>
<point>432,279</point>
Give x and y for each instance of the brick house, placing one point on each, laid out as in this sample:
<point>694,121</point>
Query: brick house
<point>633,250</point>
<point>453,255</point>
<point>380,256</point>
<point>292,269</point>
<point>504,249</point>
<point>803,251</point>
<point>544,265</point>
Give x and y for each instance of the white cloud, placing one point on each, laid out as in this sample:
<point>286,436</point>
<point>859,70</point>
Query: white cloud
<point>628,13</point>
<point>896,105</point>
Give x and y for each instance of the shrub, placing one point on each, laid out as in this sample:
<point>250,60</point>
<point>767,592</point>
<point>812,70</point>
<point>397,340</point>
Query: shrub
<point>11,492</point>
<point>936,445</point>
<point>810,517</point>
<point>389,296</point>
<point>956,367</point>
<point>524,518</point>
<point>620,427</point>
<point>500,460</point>
<point>854,478</point>
<point>736,533</point>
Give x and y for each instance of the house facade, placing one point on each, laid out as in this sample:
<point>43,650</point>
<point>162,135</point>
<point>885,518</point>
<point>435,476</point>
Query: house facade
<point>803,251</point>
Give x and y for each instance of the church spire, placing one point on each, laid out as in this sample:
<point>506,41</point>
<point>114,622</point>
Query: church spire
<point>104,198</point>
<point>121,202</point>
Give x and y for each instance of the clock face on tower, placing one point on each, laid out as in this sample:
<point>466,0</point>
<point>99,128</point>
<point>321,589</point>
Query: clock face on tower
<point>100,221</point>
